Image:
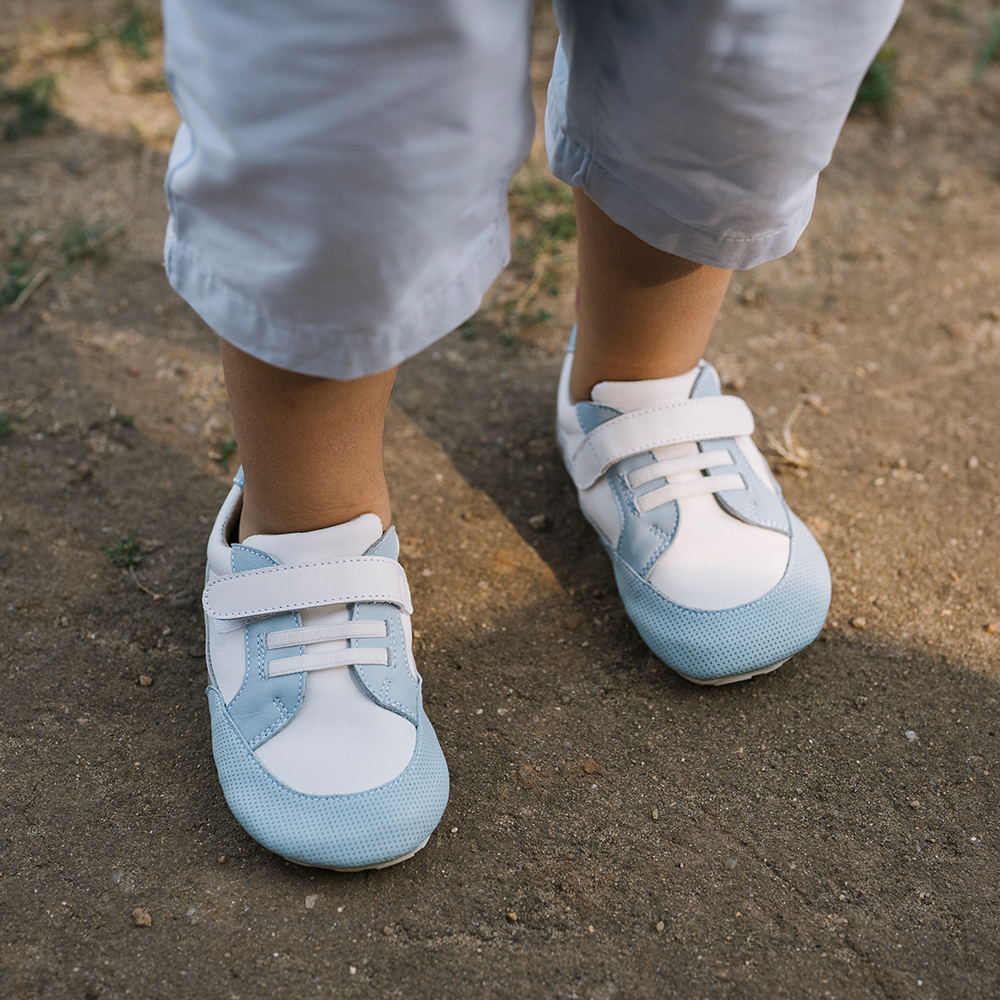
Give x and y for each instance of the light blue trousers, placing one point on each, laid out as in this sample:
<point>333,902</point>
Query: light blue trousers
<point>337,189</point>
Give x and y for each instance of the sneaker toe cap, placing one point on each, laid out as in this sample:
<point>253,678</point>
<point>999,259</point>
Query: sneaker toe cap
<point>711,646</point>
<point>359,830</point>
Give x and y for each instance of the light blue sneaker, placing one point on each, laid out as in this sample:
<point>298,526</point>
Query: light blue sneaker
<point>319,734</point>
<point>721,579</point>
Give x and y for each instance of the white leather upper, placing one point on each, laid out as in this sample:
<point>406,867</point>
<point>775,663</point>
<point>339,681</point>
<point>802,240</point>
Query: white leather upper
<point>715,560</point>
<point>340,741</point>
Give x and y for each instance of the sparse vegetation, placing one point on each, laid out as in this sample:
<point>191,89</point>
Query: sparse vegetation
<point>126,553</point>
<point>135,28</point>
<point>85,240</point>
<point>125,419</point>
<point>879,85</point>
<point>26,110</point>
<point>989,50</point>
<point>225,450</point>
<point>7,420</point>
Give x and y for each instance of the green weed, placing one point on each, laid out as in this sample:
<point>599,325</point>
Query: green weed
<point>135,29</point>
<point>84,241</point>
<point>989,50</point>
<point>541,191</point>
<point>469,330</point>
<point>879,85</point>
<point>226,449</point>
<point>7,420</point>
<point>125,419</point>
<point>27,110</point>
<point>13,285</point>
<point>126,552</point>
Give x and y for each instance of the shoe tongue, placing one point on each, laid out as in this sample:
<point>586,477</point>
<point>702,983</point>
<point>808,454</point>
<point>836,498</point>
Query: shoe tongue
<point>627,396</point>
<point>354,538</point>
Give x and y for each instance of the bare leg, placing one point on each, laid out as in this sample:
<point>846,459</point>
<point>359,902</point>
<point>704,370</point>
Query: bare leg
<point>311,447</point>
<point>643,313</point>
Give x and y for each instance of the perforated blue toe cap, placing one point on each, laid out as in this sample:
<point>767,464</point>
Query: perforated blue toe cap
<point>359,830</point>
<point>710,646</point>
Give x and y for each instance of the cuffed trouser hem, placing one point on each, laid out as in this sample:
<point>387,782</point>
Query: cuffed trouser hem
<point>327,350</point>
<point>575,166</point>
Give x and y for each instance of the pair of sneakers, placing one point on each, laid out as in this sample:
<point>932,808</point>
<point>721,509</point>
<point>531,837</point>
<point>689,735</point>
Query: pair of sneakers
<point>323,749</point>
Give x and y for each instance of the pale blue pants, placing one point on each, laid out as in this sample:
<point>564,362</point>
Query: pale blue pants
<point>337,189</point>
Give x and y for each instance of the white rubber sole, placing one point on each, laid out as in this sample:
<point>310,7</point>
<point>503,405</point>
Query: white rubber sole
<point>736,677</point>
<point>362,868</point>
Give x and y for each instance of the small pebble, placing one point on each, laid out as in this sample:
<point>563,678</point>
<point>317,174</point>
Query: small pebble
<point>142,917</point>
<point>973,462</point>
<point>540,522</point>
<point>991,628</point>
<point>910,735</point>
<point>660,926</point>
<point>145,681</point>
<point>859,622</point>
<point>915,804</point>
<point>311,901</point>
<point>222,859</point>
<point>351,969</point>
<point>656,814</point>
<point>387,931</point>
<point>512,916</point>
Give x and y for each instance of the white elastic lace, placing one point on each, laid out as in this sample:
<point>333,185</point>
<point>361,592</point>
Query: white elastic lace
<point>285,638</point>
<point>695,462</point>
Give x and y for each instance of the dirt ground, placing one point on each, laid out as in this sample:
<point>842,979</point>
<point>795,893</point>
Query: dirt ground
<point>826,831</point>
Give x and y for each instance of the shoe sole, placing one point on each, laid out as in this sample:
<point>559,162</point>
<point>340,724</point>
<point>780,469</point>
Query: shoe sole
<point>362,868</point>
<point>719,681</point>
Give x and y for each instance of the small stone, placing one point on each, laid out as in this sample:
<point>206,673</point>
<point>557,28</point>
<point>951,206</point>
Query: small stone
<point>222,859</point>
<point>539,522</point>
<point>311,901</point>
<point>910,735</point>
<point>512,916</point>
<point>454,829</point>
<point>145,680</point>
<point>973,462</point>
<point>574,621</point>
<point>351,969</point>
<point>142,917</point>
<point>656,814</point>
<point>858,622</point>
<point>991,628</point>
<point>387,931</point>
<point>915,804</point>
<point>660,926</point>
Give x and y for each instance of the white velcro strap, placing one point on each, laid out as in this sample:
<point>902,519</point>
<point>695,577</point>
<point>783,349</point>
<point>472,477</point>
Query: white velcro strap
<point>642,430</point>
<point>324,633</point>
<point>689,488</point>
<point>277,589</point>
<point>322,661</point>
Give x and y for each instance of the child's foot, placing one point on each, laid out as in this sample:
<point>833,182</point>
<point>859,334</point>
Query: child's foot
<point>721,579</point>
<point>323,749</point>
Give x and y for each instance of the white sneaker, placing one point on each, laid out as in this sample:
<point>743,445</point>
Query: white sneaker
<point>721,579</point>
<point>323,749</point>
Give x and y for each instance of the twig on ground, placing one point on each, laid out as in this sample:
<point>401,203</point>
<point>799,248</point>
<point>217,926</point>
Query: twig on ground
<point>788,449</point>
<point>145,590</point>
<point>29,288</point>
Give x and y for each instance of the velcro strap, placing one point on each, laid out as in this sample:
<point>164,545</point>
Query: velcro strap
<point>278,589</point>
<point>642,430</point>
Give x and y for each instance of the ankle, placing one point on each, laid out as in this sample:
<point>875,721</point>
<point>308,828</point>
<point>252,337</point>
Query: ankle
<point>285,514</point>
